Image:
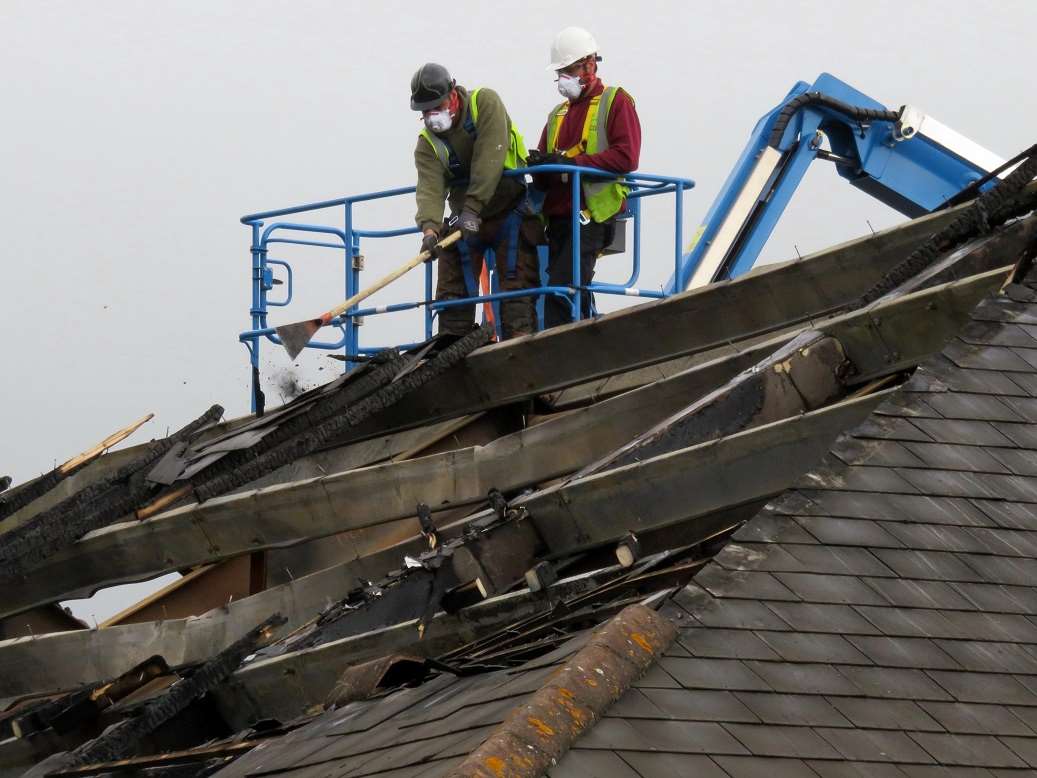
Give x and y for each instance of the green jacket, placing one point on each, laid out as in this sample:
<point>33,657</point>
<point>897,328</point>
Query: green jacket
<point>487,192</point>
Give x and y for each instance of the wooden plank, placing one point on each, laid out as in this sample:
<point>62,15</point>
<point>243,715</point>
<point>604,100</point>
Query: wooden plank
<point>678,486</point>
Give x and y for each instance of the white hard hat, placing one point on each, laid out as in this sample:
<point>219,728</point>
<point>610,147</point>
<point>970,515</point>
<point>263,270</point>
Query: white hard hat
<point>570,45</point>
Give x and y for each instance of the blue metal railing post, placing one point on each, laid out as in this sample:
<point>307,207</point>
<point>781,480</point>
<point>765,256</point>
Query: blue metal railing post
<point>428,300</point>
<point>635,208</point>
<point>577,279</point>
<point>678,197</point>
<point>352,284</point>
<point>258,309</point>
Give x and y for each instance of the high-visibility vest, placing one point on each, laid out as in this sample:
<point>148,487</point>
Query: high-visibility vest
<point>602,197</point>
<point>516,155</point>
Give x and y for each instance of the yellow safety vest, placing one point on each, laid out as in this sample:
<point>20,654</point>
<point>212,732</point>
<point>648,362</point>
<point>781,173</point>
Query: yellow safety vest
<point>602,197</point>
<point>516,155</point>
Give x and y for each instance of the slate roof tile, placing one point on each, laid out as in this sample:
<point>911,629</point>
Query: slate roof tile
<point>695,705</point>
<point>896,683</point>
<point>1006,514</point>
<point>974,719</point>
<point>949,456</point>
<point>588,763</point>
<point>985,656</point>
<point>927,565</point>
<point>1024,748</point>
<point>837,560</point>
<point>890,428</point>
<point>823,617</point>
<point>876,713</point>
<point>762,767</point>
<point>729,643</point>
<point>697,673</point>
<point>984,687</point>
<point>984,407</point>
<point>1002,570</point>
<point>772,740</point>
<point>796,709</point>
<point>924,509</point>
<point>996,597</point>
<point>666,765</point>
<point>691,737</point>
<point>846,769</point>
<point>1015,460</point>
<point>747,584</point>
<point>802,647</point>
<point>933,537</point>
<point>636,704</point>
<point>876,452</point>
<point>769,527</point>
<point>1019,435</point>
<point>748,614</point>
<point>967,750</point>
<point>970,433</point>
<point>802,678</point>
<point>908,593</point>
<point>903,652</point>
<point>860,532</point>
<point>875,744</point>
<point>844,589</point>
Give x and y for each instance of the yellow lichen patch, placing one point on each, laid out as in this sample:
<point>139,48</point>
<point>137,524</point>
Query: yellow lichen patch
<point>638,638</point>
<point>496,764</point>
<point>541,726</point>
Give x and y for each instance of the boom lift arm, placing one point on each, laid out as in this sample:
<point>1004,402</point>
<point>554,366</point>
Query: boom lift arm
<point>905,159</point>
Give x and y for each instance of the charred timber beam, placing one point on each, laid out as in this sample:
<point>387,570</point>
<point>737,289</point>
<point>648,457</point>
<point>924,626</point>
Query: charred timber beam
<point>696,481</point>
<point>22,496</point>
<point>100,504</point>
<point>119,740</point>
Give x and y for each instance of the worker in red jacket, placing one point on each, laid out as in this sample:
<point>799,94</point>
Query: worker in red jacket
<point>596,126</point>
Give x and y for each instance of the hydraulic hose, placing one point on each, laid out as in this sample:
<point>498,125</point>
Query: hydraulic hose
<point>1008,199</point>
<point>817,98</point>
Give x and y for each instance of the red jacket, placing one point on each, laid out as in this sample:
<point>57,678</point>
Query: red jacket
<point>624,136</point>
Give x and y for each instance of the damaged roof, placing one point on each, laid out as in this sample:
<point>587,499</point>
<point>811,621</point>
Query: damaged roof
<point>779,525</point>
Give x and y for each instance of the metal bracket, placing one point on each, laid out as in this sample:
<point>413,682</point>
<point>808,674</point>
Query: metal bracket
<point>358,261</point>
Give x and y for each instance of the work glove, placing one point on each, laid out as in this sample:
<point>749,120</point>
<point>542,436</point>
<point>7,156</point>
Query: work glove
<point>537,157</point>
<point>469,222</point>
<point>428,243</point>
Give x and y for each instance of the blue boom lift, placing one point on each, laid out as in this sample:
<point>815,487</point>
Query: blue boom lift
<point>907,160</point>
<point>904,158</point>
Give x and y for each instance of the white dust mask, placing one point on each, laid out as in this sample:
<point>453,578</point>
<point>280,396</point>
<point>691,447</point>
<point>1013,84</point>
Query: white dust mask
<point>569,86</point>
<point>439,121</point>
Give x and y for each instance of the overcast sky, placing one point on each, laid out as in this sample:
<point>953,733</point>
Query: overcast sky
<point>134,135</point>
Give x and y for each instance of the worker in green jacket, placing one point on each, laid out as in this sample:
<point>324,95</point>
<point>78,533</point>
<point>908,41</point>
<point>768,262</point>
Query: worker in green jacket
<point>467,143</point>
